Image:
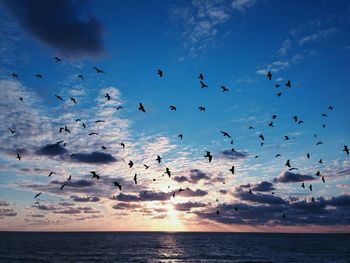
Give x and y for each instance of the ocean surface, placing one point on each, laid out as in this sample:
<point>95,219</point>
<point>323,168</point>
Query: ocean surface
<point>172,247</point>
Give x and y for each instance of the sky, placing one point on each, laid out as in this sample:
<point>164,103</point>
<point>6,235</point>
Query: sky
<point>233,44</point>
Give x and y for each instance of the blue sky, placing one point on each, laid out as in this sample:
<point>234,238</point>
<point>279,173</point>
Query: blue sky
<point>234,44</point>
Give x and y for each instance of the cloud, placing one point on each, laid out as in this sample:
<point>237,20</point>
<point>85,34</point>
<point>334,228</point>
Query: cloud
<point>342,200</point>
<point>4,203</point>
<point>51,150</point>
<point>259,197</point>
<point>94,157</point>
<point>60,24</point>
<point>126,206</point>
<point>286,45</point>
<point>195,176</point>
<point>234,155</point>
<point>7,212</point>
<point>85,199</point>
<point>263,186</point>
<point>320,34</point>
<point>76,183</point>
<point>289,177</point>
<point>242,5</point>
<point>188,206</point>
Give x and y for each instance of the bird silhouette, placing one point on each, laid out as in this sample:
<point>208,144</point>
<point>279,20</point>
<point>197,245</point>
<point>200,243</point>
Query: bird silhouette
<point>172,107</point>
<point>262,137</point>
<point>330,107</point>
<point>250,191</point>
<point>284,216</point>
<point>201,108</point>
<point>118,185</point>
<point>141,107</point>
<point>80,77</point>
<point>271,124</point>
<point>251,128</point>
<point>69,178</point>
<point>66,129</point>
<point>236,209</point>
<point>310,187</point>
<point>12,131</point>
<point>135,178</point>
<point>98,70</point>
<point>51,173</point>
<point>208,154</point>
<point>37,203</point>
<point>295,118</point>
<point>62,186</point>
<point>323,180</point>
<point>167,171</point>
<point>99,121</point>
<point>14,75</point>
<point>274,116</point>
<point>324,126</point>
<point>225,134</point>
<point>279,94</point>
<point>320,161</point>
<point>122,145</point>
<point>269,75</point>
<point>160,73</point>
<point>288,84</point>
<point>20,99</point>
<point>180,136</point>
<point>217,212</point>
<point>39,76</point>
<point>308,155</point>
<point>74,101</point>
<point>146,166</point>
<point>300,122</point>
<point>319,143</point>
<point>158,159</point>
<point>277,85</point>
<point>95,175</point>
<point>83,125</point>
<point>131,164</point>
<point>303,185</point>
<point>93,133</point>
<point>103,147</point>
<point>19,157</point>
<point>278,155</point>
<point>58,97</point>
<point>286,138</point>
<point>224,89</point>
<point>346,149</point>
<point>232,169</point>
<point>37,195</point>
<point>203,85</point>
<point>313,199</point>
<point>119,107</point>
<point>107,96</point>
<point>288,163</point>
<point>57,59</point>
<point>324,115</point>
<point>201,77</point>
<point>318,173</point>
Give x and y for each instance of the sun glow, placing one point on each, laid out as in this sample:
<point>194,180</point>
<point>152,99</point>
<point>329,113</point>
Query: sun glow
<point>172,215</point>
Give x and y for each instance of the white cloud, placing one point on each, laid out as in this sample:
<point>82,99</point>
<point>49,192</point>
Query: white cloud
<point>321,34</point>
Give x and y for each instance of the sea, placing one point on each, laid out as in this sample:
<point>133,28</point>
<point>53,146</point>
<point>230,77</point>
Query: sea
<point>172,247</point>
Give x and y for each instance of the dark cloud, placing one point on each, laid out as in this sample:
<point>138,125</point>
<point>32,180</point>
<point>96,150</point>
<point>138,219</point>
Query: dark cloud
<point>263,186</point>
<point>7,212</point>
<point>127,198</point>
<point>342,200</point>
<point>94,157</point>
<point>191,193</point>
<point>234,155</point>
<point>4,203</point>
<point>289,177</point>
<point>180,179</point>
<point>194,176</point>
<point>259,197</point>
<point>126,206</point>
<point>62,25</point>
<point>85,199</point>
<point>188,206</point>
<point>76,183</point>
<point>51,150</point>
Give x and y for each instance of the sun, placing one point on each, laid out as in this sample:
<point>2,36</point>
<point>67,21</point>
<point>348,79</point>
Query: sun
<point>172,215</point>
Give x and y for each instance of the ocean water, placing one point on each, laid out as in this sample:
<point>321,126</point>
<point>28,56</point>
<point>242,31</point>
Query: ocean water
<point>172,247</point>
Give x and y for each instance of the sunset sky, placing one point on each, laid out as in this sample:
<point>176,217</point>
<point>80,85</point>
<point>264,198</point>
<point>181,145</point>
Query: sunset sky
<point>233,44</point>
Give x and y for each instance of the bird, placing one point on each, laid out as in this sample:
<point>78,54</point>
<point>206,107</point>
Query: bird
<point>319,143</point>
<point>232,169</point>
<point>107,96</point>
<point>251,128</point>
<point>51,173</point>
<point>95,175</point>
<point>303,185</point>
<point>135,179</point>
<point>58,97</point>
<point>236,209</point>
<point>346,149</point>
<point>83,125</point>
<point>200,76</point>
<point>208,154</point>
<point>224,89</point>
<point>286,138</point>
<point>14,75</point>
<point>37,195</point>
<point>99,121</point>
<point>77,120</point>
<point>320,161</point>
<point>93,133</point>
<point>180,136</point>
<point>69,178</point>
<point>318,173</point>
<point>119,107</point>
<point>66,129</point>
<point>118,185</point>
<point>288,163</point>
<point>324,115</point>
<point>323,180</point>
<point>201,108</point>
<point>39,76</point>
<point>330,107</point>
<point>146,166</point>
<point>288,84</point>
<point>160,73</point>
<point>98,70</point>
<point>269,75</point>
<point>250,191</point>
<point>217,212</point>
<point>203,85</point>
<point>279,94</point>
<point>12,131</point>
<point>310,187</point>
<point>277,85</point>
<point>300,122</point>
<point>167,171</point>
<point>172,107</point>
<point>274,116</point>
<point>324,125</point>
<point>131,164</point>
<point>103,147</point>
<point>80,77</point>
<point>158,159</point>
<point>308,155</point>
<point>141,107</point>
<point>20,99</point>
<point>122,145</point>
<point>278,155</point>
<point>58,59</point>
<point>261,137</point>
<point>313,199</point>
<point>37,203</point>
<point>271,124</point>
<point>62,186</point>
<point>225,134</point>
<point>18,157</point>
<point>74,101</point>
<point>284,215</point>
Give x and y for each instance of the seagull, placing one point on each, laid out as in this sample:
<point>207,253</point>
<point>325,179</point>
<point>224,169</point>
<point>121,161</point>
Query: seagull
<point>58,59</point>
<point>201,77</point>
<point>210,157</point>
<point>167,171</point>
<point>279,94</point>
<point>141,107</point>
<point>160,73</point>
<point>300,122</point>
<point>232,169</point>
<point>51,173</point>
<point>93,133</point>
<point>201,108</point>
<point>310,187</point>
<point>62,186</point>
<point>37,195</point>
<point>118,185</point>
<point>323,180</point>
<point>288,84</point>
<point>225,134</point>
<point>98,70</point>
<point>278,155</point>
<point>122,145</point>
<point>346,149</point>
<point>95,175</point>
<point>74,101</point>
<point>269,75</point>
<point>159,159</point>
<point>39,76</point>
<point>131,164</point>
<point>81,77</point>
<point>224,89</point>
<point>172,107</point>
<point>308,155</point>
<point>103,147</point>
<point>303,185</point>
<point>12,131</point>
<point>180,136</point>
<point>19,157</point>
<point>58,97</point>
<point>146,166</point>
<point>135,179</point>
<point>324,115</point>
<point>14,75</point>
<point>107,96</point>
<point>203,85</point>
<point>288,163</point>
<point>261,137</point>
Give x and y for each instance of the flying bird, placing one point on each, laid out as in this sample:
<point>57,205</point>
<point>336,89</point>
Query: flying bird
<point>308,155</point>
<point>14,75</point>
<point>225,134</point>
<point>51,173</point>
<point>159,159</point>
<point>118,185</point>
<point>57,59</point>
<point>135,179</point>
<point>210,157</point>
<point>103,147</point>
<point>73,99</point>
<point>93,133</point>
<point>131,164</point>
<point>18,157</point>
<point>58,97</point>
<point>98,70</point>
<point>203,85</point>
<point>324,115</point>
<point>167,171</point>
<point>80,77</point>
<point>330,107</point>
<point>122,145</point>
<point>323,180</point>
<point>310,187</point>
<point>346,149</point>
<point>274,116</point>
<point>62,186</point>
<point>288,163</point>
<point>37,195</point>
<point>232,169</point>
<point>279,94</point>
<point>39,76</point>
<point>12,131</point>
<point>288,84</point>
<point>69,178</point>
<point>303,185</point>
<point>160,73</point>
<point>172,107</point>
<point>319,143</point>
<point>261,137</point>
<point>141,107</point>
<point>278,155</point>
<point>201,108</point>
<point>201,77</point>
<point>224,89</point>
<point>271,124</point>
<point>95,175</point>
<point>269,75</point>
<point>107,96</point>
<point>180,136</point>
<point>119,107</point>
<point>20,99</point>
<point>146,166</point>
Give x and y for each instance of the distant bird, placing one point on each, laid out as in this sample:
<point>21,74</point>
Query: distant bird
<point>107,96</point>
<point>324,115</point>
<point>303,185</point>
<point>160,73</point>
<point>66,129</point>
<point>232,169</point>
<point>284,216</point>
<point>320,161</point>
<point>274,116</point>
<point>269,75</point>
<point>93,133</point>
<point>346,149</point>
<point>323,180</point>
<point>225,134</point>
<point>83,125</point>
<point>39,76</point>
<point>74,101</point>
<point>310,187</point>
<point>279,94</point>
<point>18,157</point>
<point>224,89</point>
<point>277,85</point>
<point>278,155</point>
<point>62,186</point>
<point>135,178</point>
<point>217,212</point>
<point>146,166</point>
<point>288,84</point>
<point>172,107</point>
<point>300,122</point>
<point>37,195</point>
<point>293,168</point>
<point>201,77</point>
<point>286,138</point>
<point>288,163</point>
<point>201,108</point>
<point>236,209</point>
<point>80,77</point>
<point>318,173</point>
<point>330,108</point>
<point>324,126</point>
<point>295,118</point>
<point>251,128</point>
<point>180,136</point>
<point>262,137</point>
<point>51,173</point>
<point>58,97</point>
<point>95,175</point>
<point>122,145</point>
<point>158,159</point>
<point>313,199</point>
<point>99,121</point>
<point>119,107</point>
<point>77,120</point>
<point>210,157</point>
<point>231,142</point>
<point>69,178</point>
<point>250,191</point>
<point>308,155</point>
<point>118,185</point>
<point>131,164</point>
<point>141,107</point>
<point>20,99</point>
<point>103,147</point>
<point>37,203</point>
<point>58,59</point>
<point>98,70</point>
<point>12,131</point>
<point>256,156</point>
<point>203,85</point>
<point>168,172</point>
<point>271,124</point>
<point>14,75</point>
<point>319,143</point>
